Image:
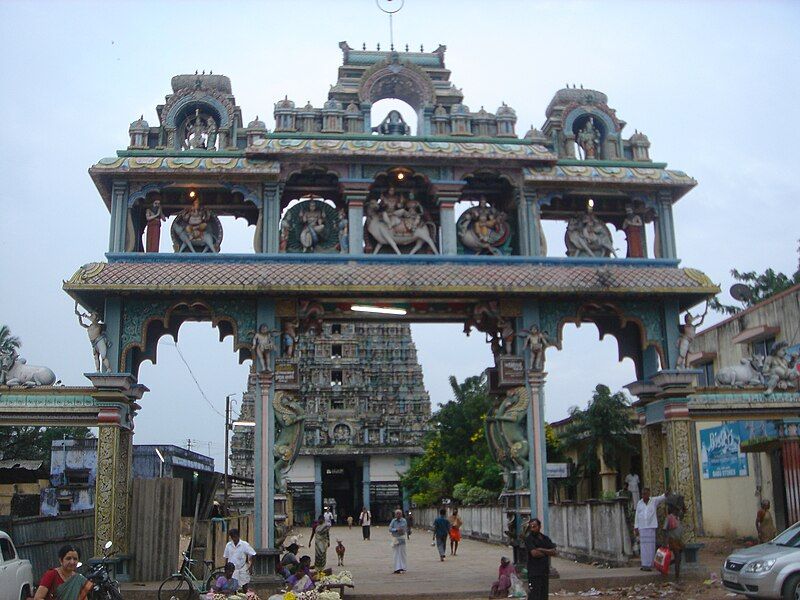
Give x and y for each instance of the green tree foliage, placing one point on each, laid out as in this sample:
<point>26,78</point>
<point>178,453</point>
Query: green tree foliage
<point>457,457</point>
<point>600,429</point>
<point>762,286</point>
<point>9,344</point>
<point>33,443</point>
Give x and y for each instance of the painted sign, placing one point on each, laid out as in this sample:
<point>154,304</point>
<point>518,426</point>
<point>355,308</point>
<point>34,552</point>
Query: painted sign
<point>511,371</point>
<point>720,453</point>
<point>557,470</point>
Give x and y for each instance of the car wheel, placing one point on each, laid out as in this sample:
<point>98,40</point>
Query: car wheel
<point>25,594</point>
<point>791,589</point>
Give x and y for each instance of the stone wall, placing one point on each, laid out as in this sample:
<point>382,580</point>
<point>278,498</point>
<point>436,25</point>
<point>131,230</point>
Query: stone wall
<point>585,531</point>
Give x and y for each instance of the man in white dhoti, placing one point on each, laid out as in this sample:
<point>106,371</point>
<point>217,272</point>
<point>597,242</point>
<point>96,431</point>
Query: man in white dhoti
<point>632,480</point>
<point>645,525</point>
<point>398,528</point>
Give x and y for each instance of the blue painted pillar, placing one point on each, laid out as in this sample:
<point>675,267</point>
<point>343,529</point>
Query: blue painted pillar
<point>533,226</point>
<point>365,483</point>
<point>666,225</point>
<point>366,112</point>
<point>264,442</point>
<point>119,216</point>
<point>317,486</point>
<point>446,198</point>
<point>112,316</point>
<point>271,216</point>
<point>355,198</point>
<point>425,121</point>
<point>536,432</point>
<point>671,325</point>
<point>523,223</point>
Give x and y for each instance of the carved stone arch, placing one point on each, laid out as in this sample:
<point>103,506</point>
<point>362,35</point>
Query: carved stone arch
<point>635,325</point>
<point>248,194</point>
<point>176,107</point>
<point>145,321</point>
<point>400,80</point>
<point>142,192</point>
<point>316,179</point>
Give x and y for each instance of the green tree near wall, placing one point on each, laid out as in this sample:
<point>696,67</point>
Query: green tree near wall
<point>601,429</point>
<point>457,463</point>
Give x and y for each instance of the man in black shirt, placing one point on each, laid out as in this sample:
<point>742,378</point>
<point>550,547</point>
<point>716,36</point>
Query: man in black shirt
<point>539,548</point>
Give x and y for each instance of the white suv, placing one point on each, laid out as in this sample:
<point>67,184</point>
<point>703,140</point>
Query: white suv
<point>16,578</point>
<point>770,570</point>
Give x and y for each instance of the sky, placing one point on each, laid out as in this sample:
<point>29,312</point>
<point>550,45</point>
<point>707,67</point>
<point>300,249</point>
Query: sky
<point>713,84</point>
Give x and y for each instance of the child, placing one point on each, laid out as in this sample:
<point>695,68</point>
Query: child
<point>340,552</point>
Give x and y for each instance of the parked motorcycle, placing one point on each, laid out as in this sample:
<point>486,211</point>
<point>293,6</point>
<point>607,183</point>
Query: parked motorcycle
<point>104,586</point>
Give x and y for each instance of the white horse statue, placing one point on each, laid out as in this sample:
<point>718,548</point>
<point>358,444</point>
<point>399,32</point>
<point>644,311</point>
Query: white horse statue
<point>386,236</point>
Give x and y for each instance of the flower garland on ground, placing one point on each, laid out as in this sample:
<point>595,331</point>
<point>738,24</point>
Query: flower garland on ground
<point>342,577</point>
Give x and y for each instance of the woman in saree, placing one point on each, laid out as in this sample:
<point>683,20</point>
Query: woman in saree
<point>64,582</point>
<point>322,533</point>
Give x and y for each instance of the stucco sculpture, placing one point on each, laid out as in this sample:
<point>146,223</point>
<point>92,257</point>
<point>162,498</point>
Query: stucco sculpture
<point>688,333</point>
<point>484,229</point>
<point>510,418</point>
<point>587,235</point>
<point>747,374</point>
<point>196,229</point>
<point>263,347</point>
<point>537,342</point>
<point>588,140</point>
<point>290,421</point>
<point>15,371</point>
<point>395,221</point>
<point>97,336</point>
<point>779,369</point>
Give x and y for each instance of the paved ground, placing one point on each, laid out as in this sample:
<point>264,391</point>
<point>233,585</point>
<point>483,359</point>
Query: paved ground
<point>463,576</point>
<point>469,575</point>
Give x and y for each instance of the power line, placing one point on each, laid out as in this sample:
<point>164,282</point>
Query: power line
<point>197,383</point>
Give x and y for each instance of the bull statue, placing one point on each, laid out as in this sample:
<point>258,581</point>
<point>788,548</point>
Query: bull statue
<point>749,373</point>
<point>16,372</point>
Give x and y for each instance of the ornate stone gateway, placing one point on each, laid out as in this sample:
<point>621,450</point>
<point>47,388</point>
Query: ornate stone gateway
<point>313,261</point>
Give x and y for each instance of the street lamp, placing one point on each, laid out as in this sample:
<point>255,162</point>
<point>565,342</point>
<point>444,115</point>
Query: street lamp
<point>161,458</point>
<point>229,425</point>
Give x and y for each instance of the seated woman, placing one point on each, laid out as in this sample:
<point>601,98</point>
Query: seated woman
<point>503,584</point>
<point>303,578</point>
<point>226,586</point>
<point>289,561</point>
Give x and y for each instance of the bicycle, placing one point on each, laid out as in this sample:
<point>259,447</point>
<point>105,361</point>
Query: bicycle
<point>183,585</point>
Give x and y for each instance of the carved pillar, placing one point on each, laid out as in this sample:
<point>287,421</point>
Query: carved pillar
<point>264,461</point>
<point>665,226</point>
<point>653,457</point>
<point>536,245</point>
<point>113,488</point>
<point>538,448</point>
<point>446,199</point>
<point>355,198</point>
<point>271,216</point>
<point>119,216</point>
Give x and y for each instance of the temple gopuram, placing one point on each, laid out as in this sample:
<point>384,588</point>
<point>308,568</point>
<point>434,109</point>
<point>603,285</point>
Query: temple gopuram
<point>366,412</point>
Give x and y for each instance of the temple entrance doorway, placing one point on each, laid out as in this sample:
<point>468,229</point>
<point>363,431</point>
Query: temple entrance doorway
<point>341,489</point>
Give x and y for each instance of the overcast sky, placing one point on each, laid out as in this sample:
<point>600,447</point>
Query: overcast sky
<point>714,85</point>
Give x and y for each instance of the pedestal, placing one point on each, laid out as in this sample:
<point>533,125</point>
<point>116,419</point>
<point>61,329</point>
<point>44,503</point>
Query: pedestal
<point>264,572</point>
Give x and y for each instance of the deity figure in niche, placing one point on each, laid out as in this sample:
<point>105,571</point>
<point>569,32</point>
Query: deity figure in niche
<point>312,220</point>
<point>97,337</point>
<point>344,232</point>
<point>688,332</point>
<point>289,337</point>
<point>154,216</point>
<point>200,133</point>
<point>263,347</point>
<point>290,420</point>
<point>396,221</point>
<point>587,235</point>
<point>483,228</point>
<point>537,342</point>
<point>196,229</point>
<point>589,140</point>
<point>633,226</point>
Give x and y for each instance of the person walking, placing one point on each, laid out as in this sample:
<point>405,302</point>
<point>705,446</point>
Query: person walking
<point>410,521</point>
<point>441,529</point>
<point>365,520</point>
<point>349,521</point>
<point>322,543</point>
<point>645,524</point>
<point>765,525</point>
<point>397,528</point>
<point>539,548</point>
<point>241,554</point>
<point>455,532</point>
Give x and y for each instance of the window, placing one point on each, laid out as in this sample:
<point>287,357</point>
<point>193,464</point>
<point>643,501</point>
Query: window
<point>336,351</point>
<point>336,328</point>
<point>336,377</point>
<point>762,347</point>
<point>337,404</point>
<point>7,549</point>
<point>706,378</point>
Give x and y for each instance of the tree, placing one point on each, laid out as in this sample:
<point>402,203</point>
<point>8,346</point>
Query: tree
<point>34,443</point>
<point>601,429</point>
<point>9,344</point>
<point>761,286</point>
<point>456,451</point>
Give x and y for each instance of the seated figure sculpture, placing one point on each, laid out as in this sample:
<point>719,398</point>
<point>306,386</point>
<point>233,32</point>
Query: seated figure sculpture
<point>395,221</point>
<point>196,229</point>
